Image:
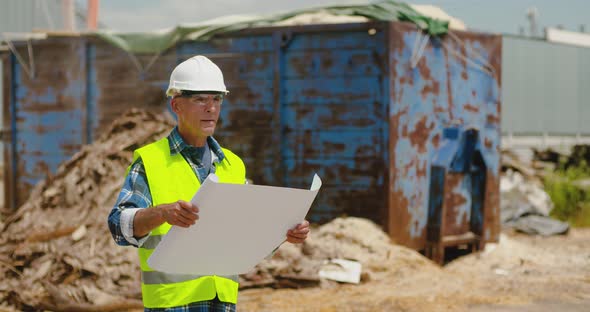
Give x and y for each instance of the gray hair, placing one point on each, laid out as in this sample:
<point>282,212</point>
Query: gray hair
<point>173,92</point>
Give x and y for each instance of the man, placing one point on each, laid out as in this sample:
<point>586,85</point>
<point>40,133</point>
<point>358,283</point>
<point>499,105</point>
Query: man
<point>163,178</point>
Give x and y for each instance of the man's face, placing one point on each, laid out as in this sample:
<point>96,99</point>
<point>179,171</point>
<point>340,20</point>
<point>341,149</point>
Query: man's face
<point>198,113</point>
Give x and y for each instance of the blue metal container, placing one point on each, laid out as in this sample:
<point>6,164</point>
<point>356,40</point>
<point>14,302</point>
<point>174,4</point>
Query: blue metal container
<point>362,105</point>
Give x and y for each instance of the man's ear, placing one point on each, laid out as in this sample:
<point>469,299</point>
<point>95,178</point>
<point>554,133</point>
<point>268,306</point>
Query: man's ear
<point>175,105</point>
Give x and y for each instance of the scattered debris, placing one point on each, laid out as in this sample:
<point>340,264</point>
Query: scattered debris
<point>536,224</point>
<point>512,162</point>
<point>520,197</point>
<point>525,205</point>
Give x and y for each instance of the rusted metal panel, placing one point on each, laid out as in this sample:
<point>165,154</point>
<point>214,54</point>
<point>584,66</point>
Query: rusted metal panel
<point>47,112</point>
<point>307,100</point>
<point>339,37</point>
<point>327,63</point>
<point>457,198</point>
<point>80,86</point>
<point>491,219</point>
<point>443,89</point>
<point>116,83</point>
<point>333,116</point>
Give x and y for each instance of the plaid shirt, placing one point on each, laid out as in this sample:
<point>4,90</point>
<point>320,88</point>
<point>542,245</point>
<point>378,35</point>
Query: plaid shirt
<point>204,306</point>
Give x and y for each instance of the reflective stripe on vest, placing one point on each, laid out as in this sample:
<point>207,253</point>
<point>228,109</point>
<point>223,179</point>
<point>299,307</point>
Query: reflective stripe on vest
<point>155,277</point>
<point>170,178</point>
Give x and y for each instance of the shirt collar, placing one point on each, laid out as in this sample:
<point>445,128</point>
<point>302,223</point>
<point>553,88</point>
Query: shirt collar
<point>177,145</point>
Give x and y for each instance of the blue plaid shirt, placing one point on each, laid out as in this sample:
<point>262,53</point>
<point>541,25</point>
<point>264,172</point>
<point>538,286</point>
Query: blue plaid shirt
<point>136,195</point>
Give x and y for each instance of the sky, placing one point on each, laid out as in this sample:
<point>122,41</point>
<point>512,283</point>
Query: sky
<point>500,16</point>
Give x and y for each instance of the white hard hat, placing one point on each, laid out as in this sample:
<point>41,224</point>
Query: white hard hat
<point>196,74</point>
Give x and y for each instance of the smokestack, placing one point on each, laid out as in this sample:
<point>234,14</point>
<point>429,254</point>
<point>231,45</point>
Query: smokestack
<point>92,14</point>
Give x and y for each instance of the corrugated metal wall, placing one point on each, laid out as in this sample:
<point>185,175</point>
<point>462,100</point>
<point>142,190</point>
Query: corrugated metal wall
<point>546,88</point>
<point>27,15</point>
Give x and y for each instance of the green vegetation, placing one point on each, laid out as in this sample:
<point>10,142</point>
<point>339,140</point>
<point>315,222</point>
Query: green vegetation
<point>569,190</point>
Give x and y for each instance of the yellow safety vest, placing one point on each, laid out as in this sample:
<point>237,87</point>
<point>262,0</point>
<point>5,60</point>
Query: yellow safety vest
<point>170,178</point>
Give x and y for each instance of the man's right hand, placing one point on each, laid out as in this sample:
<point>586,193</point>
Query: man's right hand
<point>181,213</point>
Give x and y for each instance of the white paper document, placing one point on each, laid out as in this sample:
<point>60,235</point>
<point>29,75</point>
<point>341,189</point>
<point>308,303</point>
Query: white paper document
<point>239,225</point>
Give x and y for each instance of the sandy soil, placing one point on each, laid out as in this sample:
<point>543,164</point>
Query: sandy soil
<point>521,273</point>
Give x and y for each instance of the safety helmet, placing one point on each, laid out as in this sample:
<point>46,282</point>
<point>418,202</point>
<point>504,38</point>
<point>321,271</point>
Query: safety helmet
<point>196,74</point>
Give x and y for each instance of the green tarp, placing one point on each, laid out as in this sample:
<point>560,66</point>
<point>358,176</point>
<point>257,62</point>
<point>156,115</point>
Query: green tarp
<point>384,10</point>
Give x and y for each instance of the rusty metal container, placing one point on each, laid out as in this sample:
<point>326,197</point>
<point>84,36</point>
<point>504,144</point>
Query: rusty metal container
<point>363,105</point>
<point>444,89</point>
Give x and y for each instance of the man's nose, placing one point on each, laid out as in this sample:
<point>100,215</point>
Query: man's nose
<point>211,108</point>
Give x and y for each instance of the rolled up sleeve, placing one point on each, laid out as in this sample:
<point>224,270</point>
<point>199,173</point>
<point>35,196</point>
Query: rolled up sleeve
<point>135,195</point>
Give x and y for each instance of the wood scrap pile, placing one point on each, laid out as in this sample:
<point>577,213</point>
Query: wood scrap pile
<point>56,251</point>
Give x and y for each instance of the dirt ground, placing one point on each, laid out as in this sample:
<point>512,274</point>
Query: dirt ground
<point>520,273</point>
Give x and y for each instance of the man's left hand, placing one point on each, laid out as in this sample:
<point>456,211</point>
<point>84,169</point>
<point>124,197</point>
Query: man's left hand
<point>298,234</point>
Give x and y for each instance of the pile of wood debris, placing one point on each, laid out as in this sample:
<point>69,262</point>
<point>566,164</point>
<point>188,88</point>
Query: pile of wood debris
<point>56,252</point>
